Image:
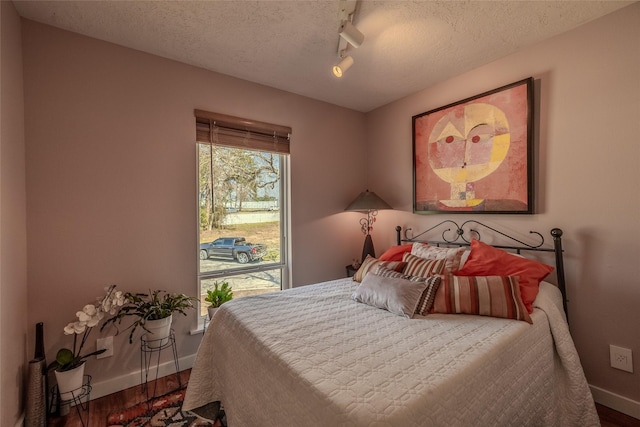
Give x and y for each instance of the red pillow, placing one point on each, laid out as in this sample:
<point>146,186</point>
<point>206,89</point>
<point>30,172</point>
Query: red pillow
<point>485,260</point>
<point>395,253</point>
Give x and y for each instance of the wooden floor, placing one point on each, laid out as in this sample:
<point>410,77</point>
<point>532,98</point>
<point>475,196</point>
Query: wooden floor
<point>611,418</point>
<point>100,408</point>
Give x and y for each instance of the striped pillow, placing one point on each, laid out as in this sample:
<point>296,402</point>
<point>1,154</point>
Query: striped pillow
<point>417,266</point>
<point>495,296</point>
<point>383,271</point>
<point>428,295</point>
<point>485,260</point>
<point>425,304</point>
<point>370,264</point>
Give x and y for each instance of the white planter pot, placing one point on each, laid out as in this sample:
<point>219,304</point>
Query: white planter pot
<point>158,332</point>
<point>212,311</point>
<point>70,382</point>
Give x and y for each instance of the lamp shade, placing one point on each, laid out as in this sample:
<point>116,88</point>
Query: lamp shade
<point>367,201</point>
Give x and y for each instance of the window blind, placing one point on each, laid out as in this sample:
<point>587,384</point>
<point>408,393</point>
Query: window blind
<point>236,132</point>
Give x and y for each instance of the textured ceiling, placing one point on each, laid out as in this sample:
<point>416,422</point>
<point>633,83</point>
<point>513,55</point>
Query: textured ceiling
<point>292,45</point>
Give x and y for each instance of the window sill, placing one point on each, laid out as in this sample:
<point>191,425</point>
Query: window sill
<point>201,327</point>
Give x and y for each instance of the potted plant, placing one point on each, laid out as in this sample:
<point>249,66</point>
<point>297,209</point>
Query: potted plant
<point>153,312</point>
<point>69,364</point>
<point>217,296</point>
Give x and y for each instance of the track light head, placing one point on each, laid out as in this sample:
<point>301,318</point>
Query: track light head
<point>344,65</point>
<point>351,34</point>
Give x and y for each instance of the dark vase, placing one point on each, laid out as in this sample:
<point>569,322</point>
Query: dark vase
<point>36,404</point>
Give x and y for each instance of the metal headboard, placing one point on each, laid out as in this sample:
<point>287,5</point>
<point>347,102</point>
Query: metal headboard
<point>461,235</point>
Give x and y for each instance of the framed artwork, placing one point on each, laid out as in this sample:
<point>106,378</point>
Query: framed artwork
<point>476,155</point>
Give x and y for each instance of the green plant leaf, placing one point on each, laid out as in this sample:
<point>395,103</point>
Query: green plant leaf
<point>220,294</point>
<point>64,356</point>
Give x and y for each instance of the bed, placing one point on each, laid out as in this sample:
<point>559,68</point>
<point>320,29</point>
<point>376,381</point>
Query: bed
<point>315,356</point>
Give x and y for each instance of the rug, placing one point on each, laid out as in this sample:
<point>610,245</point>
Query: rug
<point>163,411</point>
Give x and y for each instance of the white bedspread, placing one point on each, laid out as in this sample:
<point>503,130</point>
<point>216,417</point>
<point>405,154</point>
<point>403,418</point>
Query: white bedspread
<point>312,356</point>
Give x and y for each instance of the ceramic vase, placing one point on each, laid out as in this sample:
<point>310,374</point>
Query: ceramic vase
<point>212,311</point>
<point>158,332</point>
<point>70,382</point>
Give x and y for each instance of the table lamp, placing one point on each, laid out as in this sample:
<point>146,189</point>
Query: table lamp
<point>371,203</point>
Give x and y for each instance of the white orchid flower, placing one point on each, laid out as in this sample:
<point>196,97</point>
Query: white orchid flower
<point>90,309</point>
<point>94,320</point>
<point>79,327</point>
<point>89,317</point>
<point>113,300</point>
<point>69,329</point>
<point>82,316</point>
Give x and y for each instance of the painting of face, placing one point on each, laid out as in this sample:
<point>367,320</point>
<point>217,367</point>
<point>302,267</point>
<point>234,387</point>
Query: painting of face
<point>465,146</point>
<point>474,155</point>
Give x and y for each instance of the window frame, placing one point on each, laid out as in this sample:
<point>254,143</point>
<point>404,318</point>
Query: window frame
<point>283,265</point>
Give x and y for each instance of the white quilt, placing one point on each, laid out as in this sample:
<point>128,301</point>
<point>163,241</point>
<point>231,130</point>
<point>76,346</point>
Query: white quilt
<point>312,356</point>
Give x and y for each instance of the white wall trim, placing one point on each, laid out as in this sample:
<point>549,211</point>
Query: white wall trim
<point>113,385</point>
<point>615,401</point>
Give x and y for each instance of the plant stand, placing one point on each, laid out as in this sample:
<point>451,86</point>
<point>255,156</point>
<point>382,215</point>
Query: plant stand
<point>79,398</point>
<point>151,350</point>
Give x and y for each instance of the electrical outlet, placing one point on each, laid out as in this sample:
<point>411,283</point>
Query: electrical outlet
<point>106,343</point>
<point>621,358</point>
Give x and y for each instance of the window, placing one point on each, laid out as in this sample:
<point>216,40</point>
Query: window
<point>242,177</point>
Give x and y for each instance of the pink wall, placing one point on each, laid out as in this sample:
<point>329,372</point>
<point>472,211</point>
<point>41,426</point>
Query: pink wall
<point>588,97</point>
<point>111,177</point>
<point>13,230</point>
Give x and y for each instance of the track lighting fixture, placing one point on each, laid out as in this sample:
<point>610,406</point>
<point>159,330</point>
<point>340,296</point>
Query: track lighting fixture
<point>351,34</point>
<point>348,35</point>
<point>342,66</point>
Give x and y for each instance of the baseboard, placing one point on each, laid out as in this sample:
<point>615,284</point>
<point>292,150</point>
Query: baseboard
<point>113,385</point>
<point>615,401</point>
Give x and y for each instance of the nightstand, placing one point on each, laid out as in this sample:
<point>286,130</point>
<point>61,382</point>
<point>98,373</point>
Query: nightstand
<point>350,270</point>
